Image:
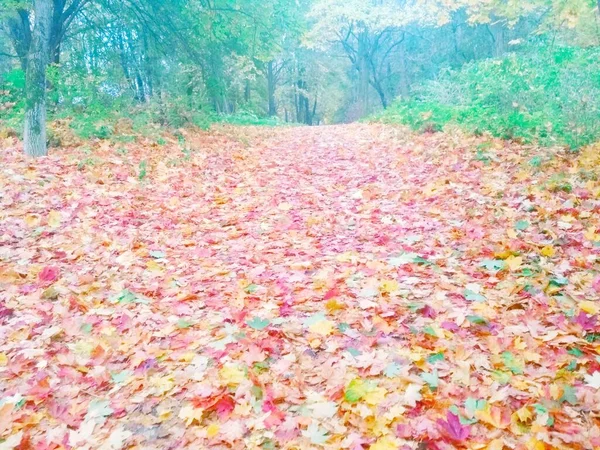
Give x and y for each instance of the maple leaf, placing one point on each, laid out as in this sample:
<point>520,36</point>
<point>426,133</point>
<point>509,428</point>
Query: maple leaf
<point>432,379</point>
<point>99,409</point>
<point>384,443</point>
<point>493,265</point>
<point>49,274</point>
<point>587,322</point>
<point>258,323</point>
<point>593,380</point>
<point>355,391</point>
<point>116,440</point>
<point>323,410</point>
<point>452,427</point>
<point>412,394</point>
<point>316,434</point>
<point>392,370</point>
<point>54,219</point>
<point>232,374</point>
<point>224,406</point>
<point>404,258</point>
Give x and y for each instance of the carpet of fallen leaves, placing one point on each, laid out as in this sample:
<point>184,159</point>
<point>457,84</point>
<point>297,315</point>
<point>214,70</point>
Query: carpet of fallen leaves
<point>350,287</point>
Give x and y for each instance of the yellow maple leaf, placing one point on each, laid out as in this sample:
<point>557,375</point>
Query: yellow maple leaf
<point>589,307</point>
<point>212,430</point>
<point>514,262</point>
<point>3,359</point>
<point>162,385</point>
<point>591,235</point>
<point>524,414</point>
<point>190,414</point>
<point>333,305</point>
<point>389,286</point>
<point>322,327</point>
<point>534,444</point>
<point>32,221</point>
<point>375,396</point>
<point>232,374</point>
<point>548,251</point>
<point>385,444</point>
<point>495,416</point>
<point>519,344</point>
<point>555,391</point>
<point>54,219</point>
<point>153,266</point>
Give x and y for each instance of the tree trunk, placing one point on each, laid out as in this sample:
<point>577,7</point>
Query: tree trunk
<point>404,75</point>
<point>271,89</point>
<point>35,106</point>
<point>499,37</point>
<point>363,73</point>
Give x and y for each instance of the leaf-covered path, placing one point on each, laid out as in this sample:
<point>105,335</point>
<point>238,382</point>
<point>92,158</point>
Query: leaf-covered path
<point>338,287</point>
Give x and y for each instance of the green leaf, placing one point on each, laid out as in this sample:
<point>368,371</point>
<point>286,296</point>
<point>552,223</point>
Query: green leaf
<point>354,352</point>
<point>120,377</point>
<point>559,281</point>
<point>430,331</point>
<point>473,296</point>
<point>343,327</point>
<point>472,405</point>
<point>522,225</point>
<point>392,370</point>
<point>493,265</point>
<point>536,161</point>
<point>316,434</point>
<point>157,254</point>
<point>258,323</point>
<point>501,377</point>
<point>575,352</point>
<point>477,320</point>
<point>183,323</point>
<point>569,395</point>
<point>511,363</point>
<point>251,288</point>
<point>126,297</point>
<point>435,358</point>
<point>425,262</point>
<point>527,272</point>
<point>99,409</point>
<point>432,379</point>
<point>314,319</point>
<point>355,391</point>
<point>404,258</point>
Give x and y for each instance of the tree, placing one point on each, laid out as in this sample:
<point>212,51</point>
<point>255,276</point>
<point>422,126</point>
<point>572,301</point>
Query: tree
<point>37,60</point>
<point>370,33</point>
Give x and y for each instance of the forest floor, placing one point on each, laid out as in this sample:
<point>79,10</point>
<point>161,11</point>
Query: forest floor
<point>336,287</point>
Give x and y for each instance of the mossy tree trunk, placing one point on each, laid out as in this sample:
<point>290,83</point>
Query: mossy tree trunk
<point>37,60</point>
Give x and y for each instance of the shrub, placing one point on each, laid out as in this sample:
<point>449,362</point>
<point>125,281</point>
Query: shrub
<point>545,95</point>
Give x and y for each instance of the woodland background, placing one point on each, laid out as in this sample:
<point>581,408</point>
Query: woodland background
<point>527,70</point>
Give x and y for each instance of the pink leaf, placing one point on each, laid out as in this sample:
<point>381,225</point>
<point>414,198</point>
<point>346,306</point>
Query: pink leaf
<point>452,427</point>
<point>49,274</point>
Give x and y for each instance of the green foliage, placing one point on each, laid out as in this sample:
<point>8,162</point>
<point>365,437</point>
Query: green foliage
<point>550,96</point>
<point>249,118</point>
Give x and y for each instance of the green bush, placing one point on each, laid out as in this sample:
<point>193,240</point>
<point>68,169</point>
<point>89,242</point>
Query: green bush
<point>249,118</point>
<point>544,95</point>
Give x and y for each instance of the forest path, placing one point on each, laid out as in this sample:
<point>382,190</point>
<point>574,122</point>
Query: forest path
<point>349,286</point>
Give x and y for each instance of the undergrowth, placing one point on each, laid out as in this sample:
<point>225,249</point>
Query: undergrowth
<point>549,96</point>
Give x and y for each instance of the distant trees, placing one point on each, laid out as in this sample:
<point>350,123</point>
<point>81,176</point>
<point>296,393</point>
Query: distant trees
<point>303,61</point>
